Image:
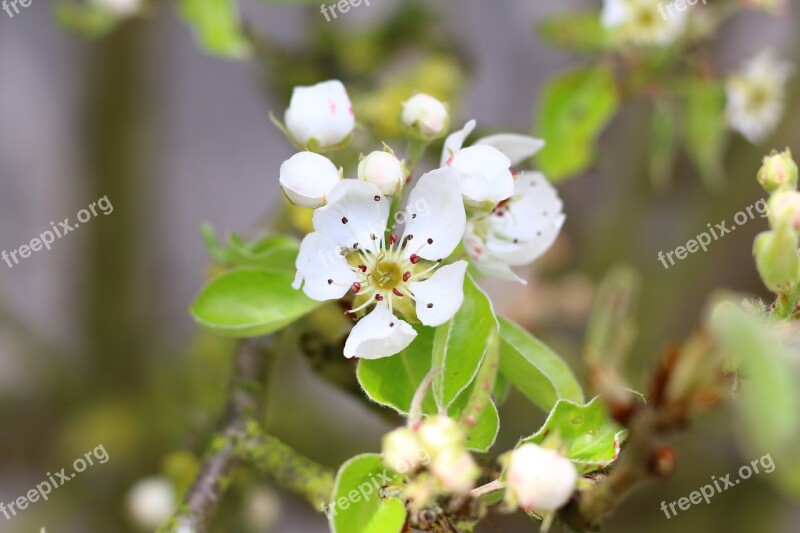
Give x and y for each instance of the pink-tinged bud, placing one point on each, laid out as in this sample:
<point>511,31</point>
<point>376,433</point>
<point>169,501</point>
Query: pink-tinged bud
<point>784,209</point>
<point>425,116</point>
<point>402,451</point>
<point>439,434</point>
<point>383,170</point>
<point>307,179</point>
<point>778,172</point>
<point>539,478</point>
<point>320,116</point>
<point>151,502</point>
<point>456,470</point>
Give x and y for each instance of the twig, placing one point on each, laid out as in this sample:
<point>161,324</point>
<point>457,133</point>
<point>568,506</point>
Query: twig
<point>492,486</point>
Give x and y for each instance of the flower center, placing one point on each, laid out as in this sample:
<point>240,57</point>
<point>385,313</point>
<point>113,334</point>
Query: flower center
<point>387,274</point>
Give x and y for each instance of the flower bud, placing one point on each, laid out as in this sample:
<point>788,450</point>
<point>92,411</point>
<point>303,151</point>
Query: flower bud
<point>485,173</point>
<point>784,209</point>
<point>320,116</point>
<point>120,8</point>
<point>779,172</point>
<point>402,450</point>
<point>456,470</point>
<point>151,502</point>
<point>538,478</point>
<point>426,116</point>
<point>307,179</point>
<point>439,434</point>
<point>776,258</point>
<point>383,170</point>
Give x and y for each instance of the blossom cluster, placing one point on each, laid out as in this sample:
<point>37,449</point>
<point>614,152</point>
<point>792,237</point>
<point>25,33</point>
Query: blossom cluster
<point>483,211</point>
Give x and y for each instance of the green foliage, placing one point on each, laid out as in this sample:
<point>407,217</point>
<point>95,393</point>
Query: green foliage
<point>589,437</point>
<point>356,502</point>
<point>85,19</point>
<point>664,147</point>
<point>705,128</point>
<point>578,31</point>
<point>216,25</point>
<point>574,106</point>
<point>535,369</point>
<point>276,252</point>
<point>249,302</point>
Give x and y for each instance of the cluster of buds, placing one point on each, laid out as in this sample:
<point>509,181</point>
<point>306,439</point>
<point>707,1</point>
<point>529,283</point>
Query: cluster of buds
<point>539,479</point>
<point>775,250</point>
<point>439,446</point>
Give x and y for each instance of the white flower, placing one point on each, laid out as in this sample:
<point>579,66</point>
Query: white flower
<point>402,451</point>
<point>518,230</point>
<point>485,167</point>
<point>456,470</point>
<point>756,96</point>
<point>120,8</point>
<point>426,115</point>
<point>350,251</point>
<point>383,170</point>
<point>538,478</point>
<point>308,178</point>
<point>644,22</point>
<point>151,502</point>
<point>320,115</point>
<point>440,434</point>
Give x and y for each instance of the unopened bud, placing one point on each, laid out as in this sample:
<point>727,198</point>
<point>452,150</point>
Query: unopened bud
<point>307,179</point>
<point>784,210</point>
<point>776,258</point>
<point>151,502</point>
<point>456,470</point>
<point>402,450</point>
<point>425,116</point>
<point>320,116</point>
<point>539,478</point>
<point>383,170</point>
<point>778,172</point>
<point>439,434</point>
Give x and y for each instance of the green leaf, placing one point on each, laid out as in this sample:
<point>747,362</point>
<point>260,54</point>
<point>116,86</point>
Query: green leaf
<point>664,147</point>
<point>217,27</point>
<point>591,438</point>
<point>85,19</point>
<point>460,345</point>
<point>705,129</point>
<point>574,108</point>
<point>277,252</point>
<point>356,504</point>
<point>480,436</point>
<point>535,369</point>
<point>581,32</point>
<point>248,302</point>
<point>392,381</point>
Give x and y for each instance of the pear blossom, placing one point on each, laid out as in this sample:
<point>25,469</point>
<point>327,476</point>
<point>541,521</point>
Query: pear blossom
<point>644,22</point>
<point>402,450</point>
<point>539,478</point>
<point>425,115</point>
<point>456,470</point>
<point>756,96</point>
<point>384,170</point>
<point>439,434</point>
<point>778,172</point>
<point>349,251</point>
<point>120,8</point>
<point>784,209</point>
<point>485,167</point>
<point>320,116</point>
<point>308,178</point>
<point>518,230</point>
<point>151,502</point>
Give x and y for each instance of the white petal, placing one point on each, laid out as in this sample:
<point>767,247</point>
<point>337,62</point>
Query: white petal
<point>517,148</point>
<point>323,269</point>
<point>485,174</point>
<point>353,216</point>
<point>308,178</point>
<point>435,215</point>
<point>379,334</point>
<point>455,141</point>
<point>322,112</point>
<point>615,13</point>
<point>443,292</point>
<point>426,113</point>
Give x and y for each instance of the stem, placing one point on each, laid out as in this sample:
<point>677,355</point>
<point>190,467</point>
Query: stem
<point>492,486</point>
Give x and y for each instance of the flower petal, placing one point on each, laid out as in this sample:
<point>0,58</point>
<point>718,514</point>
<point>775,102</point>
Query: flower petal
<point>435,215</point>
<point>485,174</point>
<point>355,216</point>
<point>517,148</point>
<point>323,269</point>
<point>307,178</point>
<point>440,296</point>
<point>455,141</point>
<point>320,112</point>
<point>379,334</point>
<point>483,260</point>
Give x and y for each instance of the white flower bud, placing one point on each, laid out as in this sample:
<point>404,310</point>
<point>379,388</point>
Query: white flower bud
<point>426,115</point>
<point>439,434</point>
<point>151,502</point>
<point>456,470</point>
<point>538,478</point>
<point>784,208</point>
<point>120,8</point>
<point>485,174</point>
<point>307,178</point>
<point>779,171</point>
<point>384,170</point>
<point>320,116</point>
<point>402,451</point>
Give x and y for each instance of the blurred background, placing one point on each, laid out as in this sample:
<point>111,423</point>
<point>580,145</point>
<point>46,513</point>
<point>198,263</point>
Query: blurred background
<point>97,347</point>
